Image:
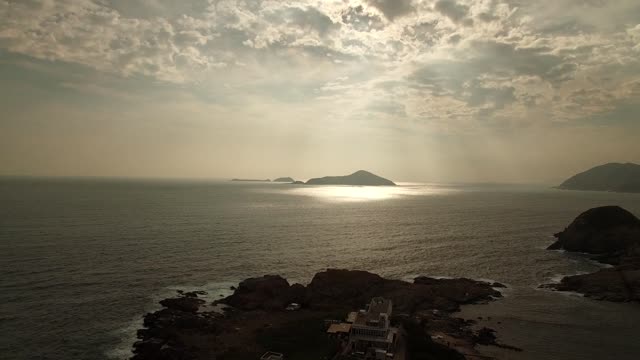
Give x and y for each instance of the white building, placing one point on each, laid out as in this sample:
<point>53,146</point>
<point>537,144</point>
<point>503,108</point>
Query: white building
<point>371,333</point>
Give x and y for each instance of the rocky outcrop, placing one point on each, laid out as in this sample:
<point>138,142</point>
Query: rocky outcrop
<point>269,292</point>
<point>162,337</point>
<point>186,329</point>
<point>187,303</point>
<point>360,177</point>
<point>606,230</point>
<point>335,288</point>
<point>617,284</point>
<point>612,235</point>
<point>607,177</point>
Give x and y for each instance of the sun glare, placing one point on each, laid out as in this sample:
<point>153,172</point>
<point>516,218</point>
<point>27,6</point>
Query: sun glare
<point>365,193</point>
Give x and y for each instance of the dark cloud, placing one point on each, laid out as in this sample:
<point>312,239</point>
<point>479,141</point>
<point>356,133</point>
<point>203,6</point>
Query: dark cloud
<point>393,8</point>
<point>388,107</point>
<point>454,39</point>
<point>564,27</point>
<point>486,17</point>
<point>508,59</point>
<point>306,18</point>
<point>157,8</point>
<point>477,94</point>
<point>361,20</point>
<point>454,11</point>
<point>462,83</point>
<point>481,81</point>
<point>424,32</point>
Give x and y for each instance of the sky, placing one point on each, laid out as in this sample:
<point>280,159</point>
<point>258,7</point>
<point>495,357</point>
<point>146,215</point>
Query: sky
<point>509,91</point>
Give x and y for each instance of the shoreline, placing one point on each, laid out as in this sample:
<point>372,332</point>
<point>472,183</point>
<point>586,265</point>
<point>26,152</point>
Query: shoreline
<point>256,307</point>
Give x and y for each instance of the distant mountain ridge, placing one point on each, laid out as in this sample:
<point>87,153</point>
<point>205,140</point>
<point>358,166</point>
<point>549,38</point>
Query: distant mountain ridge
<point>284,179</point>
<point>252,180</point>
<point>608,177</point>
<point>360,177</point>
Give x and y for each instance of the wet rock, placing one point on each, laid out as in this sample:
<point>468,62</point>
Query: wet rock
<point>612,234</point>
<point>186,303</point>
<point>269,292</point>
<point>617,284</point>
<point>194,294</point>
<point>485,336</point>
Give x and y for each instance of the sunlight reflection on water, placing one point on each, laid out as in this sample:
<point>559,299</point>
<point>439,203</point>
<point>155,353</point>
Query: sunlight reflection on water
<point>367,193</point>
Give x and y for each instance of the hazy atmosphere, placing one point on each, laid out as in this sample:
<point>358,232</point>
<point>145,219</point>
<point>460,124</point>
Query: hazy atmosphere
<point>469,91</point>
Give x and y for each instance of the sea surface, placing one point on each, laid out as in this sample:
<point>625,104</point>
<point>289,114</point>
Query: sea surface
<point>82,260</point>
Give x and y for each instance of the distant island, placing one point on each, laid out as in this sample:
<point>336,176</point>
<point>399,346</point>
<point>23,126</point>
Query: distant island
<point>360,177</point>
<point>256,180</point>
<point>284,180</point>
<point>609,177</point>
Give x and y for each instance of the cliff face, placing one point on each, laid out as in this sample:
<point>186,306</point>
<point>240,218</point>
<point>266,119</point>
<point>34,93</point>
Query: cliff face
<point>360,177</point>
<point>608,177</point>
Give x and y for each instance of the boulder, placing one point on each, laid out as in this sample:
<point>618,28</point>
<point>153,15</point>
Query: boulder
<point>338,286</point>
<point>615,284</point>
<point>269,292</point>
<point>601,230</point>
<point>356,288</point>
<point>186,303</point>
<point>612,235</point>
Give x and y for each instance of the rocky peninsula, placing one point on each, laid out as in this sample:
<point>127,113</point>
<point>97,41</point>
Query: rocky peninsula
<point>611,235</point>
<point>360,177</point>
<point>608,177</point>
<point>254,319</point>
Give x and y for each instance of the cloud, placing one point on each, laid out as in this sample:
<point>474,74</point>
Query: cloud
<point>451,9</point>
<point>361,20</point>
<point>388,107</point>
<point>483,58</point>
<point>307,18</point>
<point>393,8</point>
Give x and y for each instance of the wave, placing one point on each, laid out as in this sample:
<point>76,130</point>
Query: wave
<point>126,334</point>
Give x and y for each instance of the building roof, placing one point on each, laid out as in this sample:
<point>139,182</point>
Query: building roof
<point>372,315</point>
<point>339,328</point>
<point>270,355</point>
<point>380,305</point>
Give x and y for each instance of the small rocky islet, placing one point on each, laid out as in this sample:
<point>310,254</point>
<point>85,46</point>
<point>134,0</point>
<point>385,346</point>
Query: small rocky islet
<point>254,319</point>
<point>610,235</point>
<point>358,178</point>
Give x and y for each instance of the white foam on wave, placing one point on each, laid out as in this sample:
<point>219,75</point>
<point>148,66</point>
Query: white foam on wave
<point>127,333</point>
<point>557,278</point>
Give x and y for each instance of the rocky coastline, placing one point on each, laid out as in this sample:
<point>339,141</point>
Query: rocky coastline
<point>254,320</point>
<point>610,235</point>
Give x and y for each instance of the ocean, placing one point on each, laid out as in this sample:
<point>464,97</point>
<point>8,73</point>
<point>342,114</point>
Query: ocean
<point>82,260</point>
